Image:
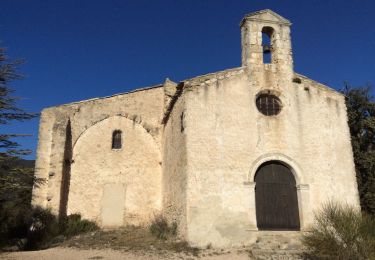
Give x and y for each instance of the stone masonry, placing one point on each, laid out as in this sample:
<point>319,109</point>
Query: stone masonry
<point>191,150</point>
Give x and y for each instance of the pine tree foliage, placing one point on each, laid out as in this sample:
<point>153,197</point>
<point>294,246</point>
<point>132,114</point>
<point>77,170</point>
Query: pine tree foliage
<point>16,182</point>
<point>361,118</point>
<point>8,106</point>
<point>16,179</point>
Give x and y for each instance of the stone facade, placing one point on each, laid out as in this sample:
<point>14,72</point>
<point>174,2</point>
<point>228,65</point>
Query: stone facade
<point>191,150</point>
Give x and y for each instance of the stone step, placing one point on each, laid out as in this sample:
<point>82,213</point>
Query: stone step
<point>278,240</point>
<point>277,245</point>
<point>273,254</point>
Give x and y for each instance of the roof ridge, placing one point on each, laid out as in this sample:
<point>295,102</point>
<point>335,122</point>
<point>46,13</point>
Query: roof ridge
<point>110,96</point>
<point>249,16</point>
<point>319,84</point>
<point>208,76</point>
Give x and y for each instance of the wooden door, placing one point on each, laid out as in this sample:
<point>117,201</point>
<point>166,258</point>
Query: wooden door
<point>276,198</point>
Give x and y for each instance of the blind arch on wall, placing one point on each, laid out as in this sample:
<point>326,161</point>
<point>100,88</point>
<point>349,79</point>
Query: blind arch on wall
<point>94,167</point>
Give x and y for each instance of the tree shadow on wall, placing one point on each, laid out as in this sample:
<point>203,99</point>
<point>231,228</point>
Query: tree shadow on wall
<point>65,182</point>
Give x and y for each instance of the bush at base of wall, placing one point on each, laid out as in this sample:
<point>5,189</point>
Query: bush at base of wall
<point>341,232</point>
<point>45,226</point>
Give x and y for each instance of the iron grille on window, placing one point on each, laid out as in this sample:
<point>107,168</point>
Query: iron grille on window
<point>268,104</point>
<point>116,139</point>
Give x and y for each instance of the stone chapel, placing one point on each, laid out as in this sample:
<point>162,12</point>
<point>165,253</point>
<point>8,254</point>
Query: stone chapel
<point>224,155</point>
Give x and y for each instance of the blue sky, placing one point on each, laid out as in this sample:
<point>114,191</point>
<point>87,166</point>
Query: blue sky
<point>80,49</point>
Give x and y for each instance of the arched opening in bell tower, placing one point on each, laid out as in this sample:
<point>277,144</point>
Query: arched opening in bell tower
<point>267,37</point>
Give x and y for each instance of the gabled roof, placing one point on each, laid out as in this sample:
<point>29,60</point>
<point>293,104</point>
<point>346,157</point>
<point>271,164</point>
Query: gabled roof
<point>265,15</point>
<point>318,84</point>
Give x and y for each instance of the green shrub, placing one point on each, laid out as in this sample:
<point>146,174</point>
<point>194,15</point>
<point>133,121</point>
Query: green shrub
<point>19,220</point>
<point>341,232</point>
<point>12,223</point>
<point>16,184</point>
<point>161,228</point>
<point>43,227</point>
<point>73,225</point>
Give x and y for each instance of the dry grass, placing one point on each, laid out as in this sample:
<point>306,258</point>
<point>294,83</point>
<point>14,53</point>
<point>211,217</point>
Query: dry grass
<point>129,239</point>
<point>341,232</point>
<point>162,229</point>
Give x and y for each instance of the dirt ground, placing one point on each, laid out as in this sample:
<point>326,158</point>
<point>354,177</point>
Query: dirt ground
<point>60,253</point>
<point>126,243</point>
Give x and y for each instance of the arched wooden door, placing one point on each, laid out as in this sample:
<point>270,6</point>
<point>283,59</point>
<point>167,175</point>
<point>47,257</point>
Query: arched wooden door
<point>276,198</point>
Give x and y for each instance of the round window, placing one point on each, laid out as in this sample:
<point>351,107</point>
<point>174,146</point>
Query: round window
<point>268,104</point>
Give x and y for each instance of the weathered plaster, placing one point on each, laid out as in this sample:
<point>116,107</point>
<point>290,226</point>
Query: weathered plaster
<point>191,149</point>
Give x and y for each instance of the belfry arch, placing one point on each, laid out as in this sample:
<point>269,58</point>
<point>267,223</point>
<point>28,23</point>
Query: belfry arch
<point>267,44</point>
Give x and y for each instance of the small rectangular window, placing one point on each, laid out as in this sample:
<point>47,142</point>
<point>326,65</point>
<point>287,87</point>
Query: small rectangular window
<point>116,139</point>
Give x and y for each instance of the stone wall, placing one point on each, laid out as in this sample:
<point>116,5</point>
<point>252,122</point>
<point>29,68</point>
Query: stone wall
<point>42,163</point>
<point>137,166</point>
<point>138,114</point>
<point>191,150</point>
<point>174,168</point>
<point>219,204</point>
<point>228,139</point>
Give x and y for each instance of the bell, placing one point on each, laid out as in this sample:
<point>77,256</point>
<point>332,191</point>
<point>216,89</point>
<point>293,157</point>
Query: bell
<point>266,48</point>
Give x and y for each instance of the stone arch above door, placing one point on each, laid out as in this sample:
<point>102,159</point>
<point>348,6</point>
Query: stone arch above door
<point>296,170</point>
<point>303,188</point>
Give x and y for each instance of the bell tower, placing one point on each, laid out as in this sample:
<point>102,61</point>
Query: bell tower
<point>266,45</point>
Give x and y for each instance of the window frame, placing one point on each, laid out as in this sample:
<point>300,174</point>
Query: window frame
<point>116,140</point>
<point>264,107</point>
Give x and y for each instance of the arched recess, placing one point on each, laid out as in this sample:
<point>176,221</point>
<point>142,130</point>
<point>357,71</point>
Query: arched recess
<point>79,134</point>
<point>276,197</point>
<point>303,188</point>
<point>115,187</point>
